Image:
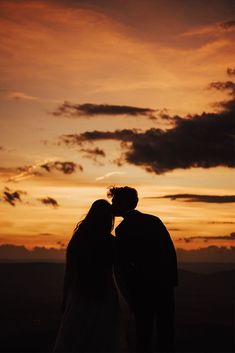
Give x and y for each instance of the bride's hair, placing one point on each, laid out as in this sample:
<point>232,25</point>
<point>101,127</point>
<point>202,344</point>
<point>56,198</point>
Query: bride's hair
<point>99,218</point>
<point>89,247</point>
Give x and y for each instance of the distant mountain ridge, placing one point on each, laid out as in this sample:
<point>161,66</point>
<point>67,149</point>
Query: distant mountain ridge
<point>19,253</point>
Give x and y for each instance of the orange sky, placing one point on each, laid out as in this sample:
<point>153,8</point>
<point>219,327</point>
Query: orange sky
<point>158,55</point>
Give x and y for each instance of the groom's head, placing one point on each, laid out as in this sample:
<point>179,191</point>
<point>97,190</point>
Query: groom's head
<point>124,199</point>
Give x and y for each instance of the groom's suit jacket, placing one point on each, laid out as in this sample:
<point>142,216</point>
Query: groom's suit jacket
<point>145,251</point>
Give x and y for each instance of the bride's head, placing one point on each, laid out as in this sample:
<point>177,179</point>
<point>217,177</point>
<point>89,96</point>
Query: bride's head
<point>99,218</point>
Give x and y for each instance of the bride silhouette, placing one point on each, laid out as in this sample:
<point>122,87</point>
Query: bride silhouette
<point>91,320</point>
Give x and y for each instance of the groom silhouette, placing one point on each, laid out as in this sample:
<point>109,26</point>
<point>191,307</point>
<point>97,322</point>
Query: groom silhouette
<point>146,270</point>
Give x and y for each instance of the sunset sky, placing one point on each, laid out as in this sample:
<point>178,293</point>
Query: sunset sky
<point>97,93</point>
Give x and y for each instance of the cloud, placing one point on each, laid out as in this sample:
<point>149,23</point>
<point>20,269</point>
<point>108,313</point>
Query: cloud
<point>220,222</point>
<point>22,96</point>
<point>46,234</point>
<point>226,105</point>
<point>12,197</point>
<point>49,165</point>
<point>61,244</point>
<point>93,153</point>
<point>68,109</point>
<point>229,86</point>
<point>204,141</point>
<point>228,24</point>
<point>26,172</point>
<point>210,30</point>
<point>198,198</point>
<point>65,167</point>
<point>49,201</point>
<point>230,237</point>
<point>125,135</point>
<point>224,86</point>
<point>230,71</point>
<point>108,175</point>
<point>201,140</point>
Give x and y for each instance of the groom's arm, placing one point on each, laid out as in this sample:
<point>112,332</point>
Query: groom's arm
<point>123,251</point>
<point>122,263</point>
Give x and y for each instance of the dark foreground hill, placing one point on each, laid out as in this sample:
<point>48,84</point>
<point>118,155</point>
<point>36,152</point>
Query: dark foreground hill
<point>30,299</point>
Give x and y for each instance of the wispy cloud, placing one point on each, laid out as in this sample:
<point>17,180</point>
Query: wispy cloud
<point>108,175</point>
<point>7,94</point>
<point>22,96</point>
<point>49,165</point>
<point>27,172</point>
<point>46,234</point>
<point>214,29</point>
<point>220,222</point>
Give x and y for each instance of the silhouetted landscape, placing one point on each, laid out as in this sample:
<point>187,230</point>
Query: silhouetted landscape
<point>31,294</point>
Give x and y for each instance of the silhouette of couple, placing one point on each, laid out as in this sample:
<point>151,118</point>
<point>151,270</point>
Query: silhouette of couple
<point>139,264</point>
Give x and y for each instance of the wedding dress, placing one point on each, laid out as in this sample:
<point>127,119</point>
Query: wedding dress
<point>92,320</point>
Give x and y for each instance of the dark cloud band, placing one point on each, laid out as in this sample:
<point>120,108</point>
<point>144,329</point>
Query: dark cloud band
<point>204,141</point>
<point>230,237</point>
<point>199,198</point>
<point>68,109</point>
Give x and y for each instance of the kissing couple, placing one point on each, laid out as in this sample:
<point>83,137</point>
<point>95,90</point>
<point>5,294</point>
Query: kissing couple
<point>137,266</point>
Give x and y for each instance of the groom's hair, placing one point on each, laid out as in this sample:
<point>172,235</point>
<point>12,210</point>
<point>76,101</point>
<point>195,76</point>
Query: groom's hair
<point>125,194</point>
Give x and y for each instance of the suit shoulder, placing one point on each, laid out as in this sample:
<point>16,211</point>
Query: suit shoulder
<point>151,218</point>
